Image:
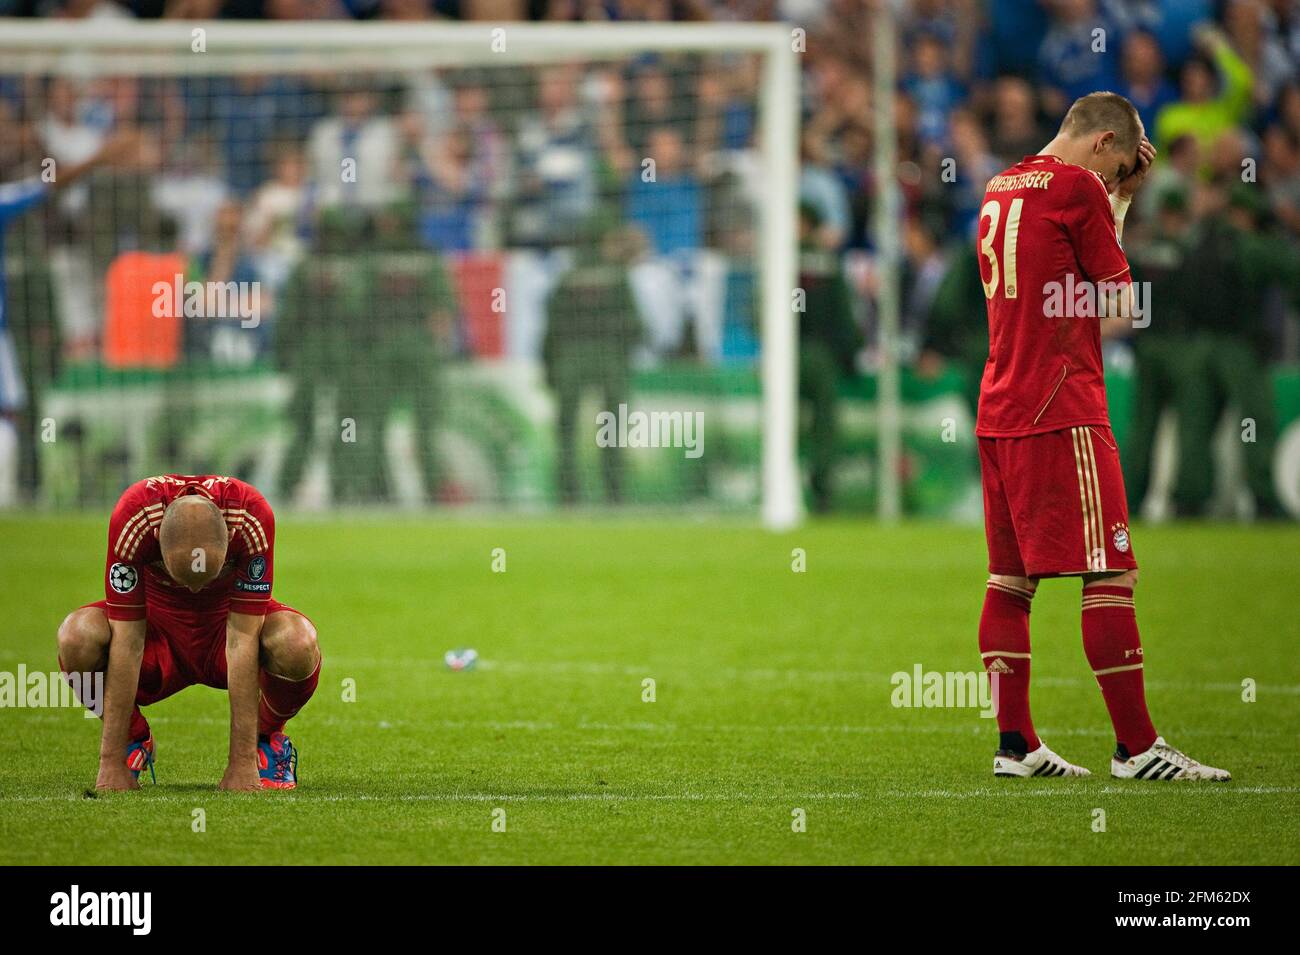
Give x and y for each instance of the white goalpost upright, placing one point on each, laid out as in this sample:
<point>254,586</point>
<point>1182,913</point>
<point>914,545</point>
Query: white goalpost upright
<point>779,105</point>
<point>888,258</point>
<point>93,49</point>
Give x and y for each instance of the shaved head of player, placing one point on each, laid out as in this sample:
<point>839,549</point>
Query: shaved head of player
<point>193,537</point>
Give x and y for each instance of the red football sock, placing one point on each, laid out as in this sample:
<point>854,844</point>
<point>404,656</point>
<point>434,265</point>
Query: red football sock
<point>139,725</point>
<point>1004,647</point>
<point>1110,639</point>
<point>282,698</point>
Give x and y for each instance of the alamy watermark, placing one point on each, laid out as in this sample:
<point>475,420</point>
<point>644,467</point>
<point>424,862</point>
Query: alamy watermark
<point>946,689</point>
<point>1084,299</point>
<point>651,429</point>
<point>37,689</point>
<point>130,909</point>
<point>181,299</point>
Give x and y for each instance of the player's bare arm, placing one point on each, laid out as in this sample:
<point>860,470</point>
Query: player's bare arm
<point>1122,191</point>
<point>243,636</point>
<point>125,651</point>
<point>1128,181</point>
<point>1122,167</point>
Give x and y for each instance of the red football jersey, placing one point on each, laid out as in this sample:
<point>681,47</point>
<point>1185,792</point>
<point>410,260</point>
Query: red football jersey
<point>134,576</point>
<point>1046,239</point>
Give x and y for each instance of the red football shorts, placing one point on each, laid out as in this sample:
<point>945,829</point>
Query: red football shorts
<point>177,655</point>
<point>1054,504</point>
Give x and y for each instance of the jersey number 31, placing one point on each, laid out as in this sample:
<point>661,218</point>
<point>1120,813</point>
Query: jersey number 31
<point>993,210</point>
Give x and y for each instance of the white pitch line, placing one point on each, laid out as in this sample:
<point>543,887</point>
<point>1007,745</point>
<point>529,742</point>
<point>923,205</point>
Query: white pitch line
<point>786,674</point>
<point>1080,787</point>
<point>299,796</point>
<point>690,730</point>
<point>703,729</point>
<point>1077,789</point>
<point>733,674</point>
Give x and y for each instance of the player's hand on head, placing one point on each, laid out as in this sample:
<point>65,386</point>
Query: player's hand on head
<point>1146,156</point>
<point>1126,187</point>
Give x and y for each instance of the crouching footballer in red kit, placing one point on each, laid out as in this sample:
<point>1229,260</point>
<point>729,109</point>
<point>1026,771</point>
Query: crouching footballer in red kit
<point>1054,501</point>
<point>187,600</point>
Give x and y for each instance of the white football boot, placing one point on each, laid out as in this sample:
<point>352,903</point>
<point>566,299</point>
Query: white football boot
<point>1041,762</point>
<point>1163,762</point>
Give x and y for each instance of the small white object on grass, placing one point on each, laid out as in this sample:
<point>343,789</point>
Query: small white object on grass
<point>461,659</point>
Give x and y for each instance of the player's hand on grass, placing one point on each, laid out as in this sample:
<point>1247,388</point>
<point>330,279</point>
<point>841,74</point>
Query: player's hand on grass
<point>1126,187</point>
<point>115,777</point>
<point>241,777</point>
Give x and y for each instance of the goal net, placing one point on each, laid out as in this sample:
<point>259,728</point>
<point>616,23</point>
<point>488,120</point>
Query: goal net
<point>514,267</point>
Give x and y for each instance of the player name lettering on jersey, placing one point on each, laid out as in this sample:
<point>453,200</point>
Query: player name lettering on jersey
<point>1024,180</point>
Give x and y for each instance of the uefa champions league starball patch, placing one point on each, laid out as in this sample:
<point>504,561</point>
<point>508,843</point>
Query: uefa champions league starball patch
<point>123,578</point>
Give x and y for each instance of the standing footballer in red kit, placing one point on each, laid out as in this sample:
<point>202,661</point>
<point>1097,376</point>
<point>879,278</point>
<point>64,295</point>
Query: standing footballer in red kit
<point>1054,504</point>
<point>187,600</point>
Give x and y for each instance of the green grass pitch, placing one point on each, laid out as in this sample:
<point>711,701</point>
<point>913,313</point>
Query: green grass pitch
<point>772,693</point>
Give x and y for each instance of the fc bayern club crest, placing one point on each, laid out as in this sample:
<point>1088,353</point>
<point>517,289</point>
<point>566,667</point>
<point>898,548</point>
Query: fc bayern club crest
<point>123,578</point>
<point>257,568</point>
<point>1120,539</point>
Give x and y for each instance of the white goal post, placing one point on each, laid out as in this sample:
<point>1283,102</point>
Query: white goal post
<point>96,48</point>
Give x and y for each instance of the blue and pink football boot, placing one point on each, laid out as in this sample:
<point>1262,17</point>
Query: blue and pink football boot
<point>139,754</point>
<point>277,762</point>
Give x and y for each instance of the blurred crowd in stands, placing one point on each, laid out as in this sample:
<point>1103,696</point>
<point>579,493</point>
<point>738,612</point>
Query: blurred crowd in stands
<point>234,173</point>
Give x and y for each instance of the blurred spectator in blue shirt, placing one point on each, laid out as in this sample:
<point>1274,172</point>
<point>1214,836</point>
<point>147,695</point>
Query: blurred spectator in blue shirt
<point>727,116</point>
<point>822,189</point>
<point>932,86</point>
<point>245,117</point>
<point>975,166</point>
<point>226,336</point>
<point>1144,80</point>
<point>1079,55</point>
<point>556,187</point>
<point>450,190</point>
<point>1172,26</point>
<point>670,207</point>
<point>1016,31</point>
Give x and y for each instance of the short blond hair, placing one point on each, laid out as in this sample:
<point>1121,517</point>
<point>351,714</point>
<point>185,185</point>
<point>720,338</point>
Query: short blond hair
<point>1100,112</point>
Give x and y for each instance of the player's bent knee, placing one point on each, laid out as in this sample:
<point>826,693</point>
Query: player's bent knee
<point>1016,583</point>
<point>291,648</point>
<point>1127,579</point>
<point>83,639</point>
